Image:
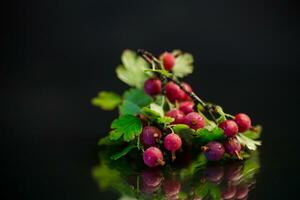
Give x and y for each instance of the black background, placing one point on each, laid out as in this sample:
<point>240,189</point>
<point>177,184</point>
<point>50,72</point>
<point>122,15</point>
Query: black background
<point>58,54</point>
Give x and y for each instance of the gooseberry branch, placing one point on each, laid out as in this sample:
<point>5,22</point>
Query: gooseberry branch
<point>156,64</point>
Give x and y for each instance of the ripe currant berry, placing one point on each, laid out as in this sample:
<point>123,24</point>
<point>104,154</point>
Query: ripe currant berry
<point>186,107</point>
<point>243,121</point>
<point>229,127</point>
<point>173,92</point>
<point>150,136</point>
<point>152,86</point>
<point>153,157</point>
<point>213,151</point>
<point>168,61</point>
<point>242,192</point>
<point>232,147</point>
<point>189,89</point>
<point>194,120</point>
<point>177,115</point>
<point>172,142</point>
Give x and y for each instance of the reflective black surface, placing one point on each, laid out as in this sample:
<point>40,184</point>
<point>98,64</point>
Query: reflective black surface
<point>56,55</point>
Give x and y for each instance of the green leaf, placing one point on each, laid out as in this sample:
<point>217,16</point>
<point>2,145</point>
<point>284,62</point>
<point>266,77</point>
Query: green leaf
<point>127,125</point>
<point>253,134</point>
<point>165,120</point>
<point>151,114</point>
<point>157,108</point>
<point>183,129</point>
<point>183,65</point>
<point>137,96</point>
<point>129,108</point>
<point>132,70</point>
<point>106,100</point>
<point>123,152</point>
<point>107,141</point>
<point>206,135</point>
<point>248,142</point>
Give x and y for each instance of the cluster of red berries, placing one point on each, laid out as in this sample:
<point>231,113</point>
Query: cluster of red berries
<point>214,151</point>
<point>185,114</point>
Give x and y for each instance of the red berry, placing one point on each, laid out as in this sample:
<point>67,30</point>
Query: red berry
<point>168,60</point>
<point>186,107</point>
<point>243,121</point>
<point>188,88</point>
<point>229,127</point>
<point>153,157</point>
<point>150,136</point>
<point>194,120</point>
<point>177,115</point>
<point>232,146</point>
<point>173,92</point>
<point>172,142</point>
<point>152,86</point>
<point>213,151</point>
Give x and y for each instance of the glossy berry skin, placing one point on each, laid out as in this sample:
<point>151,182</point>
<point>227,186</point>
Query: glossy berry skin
<point>168,61</point>
<point>153,157</point>
<point>232,146</point>
<point>243,121</point>
<point>189,89</point>
<point>150,136</point>
<point>173,92</point>
<point>152,86</point>
<point>186,107</point>
<point>229,127</point>
<point>172,142</point>
<point>214,151</point>
<point>194,120</point>
<point>177,115</point>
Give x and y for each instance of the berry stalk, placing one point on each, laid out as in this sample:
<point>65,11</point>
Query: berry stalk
<point>156,64</point>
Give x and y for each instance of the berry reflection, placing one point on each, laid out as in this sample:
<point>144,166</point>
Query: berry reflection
<point>190,177</point>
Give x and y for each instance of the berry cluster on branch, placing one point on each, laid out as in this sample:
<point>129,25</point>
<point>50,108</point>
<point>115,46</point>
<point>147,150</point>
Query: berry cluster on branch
<point>160,114</point>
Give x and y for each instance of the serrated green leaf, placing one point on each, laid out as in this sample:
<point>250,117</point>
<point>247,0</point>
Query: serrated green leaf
<point>248,142</point>
<point>183,65</point>
<point>253,134</point>
<point>129,108</point>
<point>106,100</point>
<point>138,97</point>
<point>132,70</point>
<point>123,152</point>
<point>127,125</point>
<point>206,135</point>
